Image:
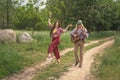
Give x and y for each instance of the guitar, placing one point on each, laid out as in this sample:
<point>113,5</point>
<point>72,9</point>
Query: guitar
<point>75,39</point>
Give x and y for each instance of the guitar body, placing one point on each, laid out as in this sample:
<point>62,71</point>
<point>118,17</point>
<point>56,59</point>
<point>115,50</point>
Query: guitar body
<point>74,39</point>
<point>83,34</point>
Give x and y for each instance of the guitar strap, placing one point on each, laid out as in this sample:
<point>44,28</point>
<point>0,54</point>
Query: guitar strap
<point>76,32</point>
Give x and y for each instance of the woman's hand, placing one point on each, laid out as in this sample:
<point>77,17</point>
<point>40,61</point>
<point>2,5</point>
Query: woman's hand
<point>69,25</point>
<point>75,35</point>
<point>49,21</point>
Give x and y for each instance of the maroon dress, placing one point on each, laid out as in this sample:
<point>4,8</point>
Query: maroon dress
<point>53,47</point>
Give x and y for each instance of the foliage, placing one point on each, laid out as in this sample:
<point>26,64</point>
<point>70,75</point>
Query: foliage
<point>97,15</point>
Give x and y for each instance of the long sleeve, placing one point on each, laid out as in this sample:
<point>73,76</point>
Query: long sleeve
<point>73,31</point>
<point>86,32</point>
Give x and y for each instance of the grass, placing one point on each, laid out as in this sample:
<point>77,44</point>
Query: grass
<point>8,63</point>
<point>54,70</point>
<point>109,63</point>
<point>101,34</point>
<point>14,57</point>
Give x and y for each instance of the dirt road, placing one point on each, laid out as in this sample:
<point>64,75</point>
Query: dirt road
<point>76,73</point>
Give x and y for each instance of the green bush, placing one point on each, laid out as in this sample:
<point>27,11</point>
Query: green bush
<point>109,69</point>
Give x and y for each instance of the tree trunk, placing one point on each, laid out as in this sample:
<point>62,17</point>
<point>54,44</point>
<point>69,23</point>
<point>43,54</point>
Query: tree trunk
<point>7,13</point>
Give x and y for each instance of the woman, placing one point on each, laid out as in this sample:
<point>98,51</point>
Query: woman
<point>55,33</point>
<point>80,32</point>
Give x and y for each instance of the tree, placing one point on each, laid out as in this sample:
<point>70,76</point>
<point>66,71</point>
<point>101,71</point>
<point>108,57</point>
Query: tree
<point>3,17</point>
<point>7,8</point>
<point>97,15</point>
<point>30,17</point>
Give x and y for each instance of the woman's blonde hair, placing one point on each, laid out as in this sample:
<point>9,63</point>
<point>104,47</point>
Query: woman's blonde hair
<point>83,28</point>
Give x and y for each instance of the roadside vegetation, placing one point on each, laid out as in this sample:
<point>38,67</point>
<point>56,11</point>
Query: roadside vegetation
<point>107,66</point>
<point>17,56</point>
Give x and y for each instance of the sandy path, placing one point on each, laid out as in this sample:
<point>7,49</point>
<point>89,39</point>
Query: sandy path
<point>29,73</point>
<point>76,73</point>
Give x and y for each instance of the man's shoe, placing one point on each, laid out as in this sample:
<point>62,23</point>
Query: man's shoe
<point>76,63</point>
<point>80,65</point>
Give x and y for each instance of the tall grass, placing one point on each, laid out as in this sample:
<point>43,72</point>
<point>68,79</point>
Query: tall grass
<point>109,68</point>
<point>14,57</point>
<point>100,34</point>
<point>10,60</point>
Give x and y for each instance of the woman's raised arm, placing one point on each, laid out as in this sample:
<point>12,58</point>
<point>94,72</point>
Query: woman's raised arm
<point>67,27</point>
<point>49,23</point>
